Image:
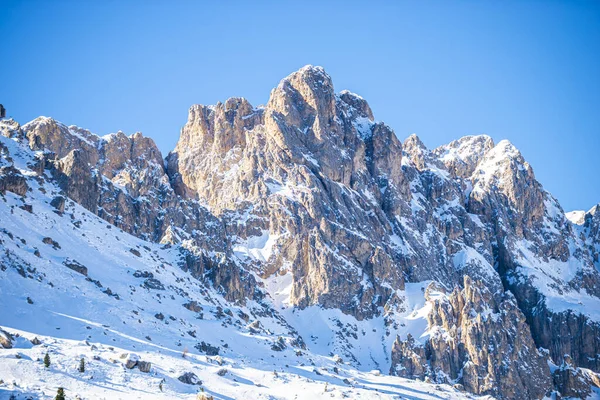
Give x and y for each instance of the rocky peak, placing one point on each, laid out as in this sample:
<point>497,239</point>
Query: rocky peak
<point>305,98</point>
<point>591,227</point>
<point>304,127</point>
<point>110,153</point>
<point>46,133</point>
<point>357,107</point>
<point>416,151</point>
<point>11,129</point>
<point>503,172</point>
<point>221,126</point>
<point>462,156</point>
<point>594,212</point>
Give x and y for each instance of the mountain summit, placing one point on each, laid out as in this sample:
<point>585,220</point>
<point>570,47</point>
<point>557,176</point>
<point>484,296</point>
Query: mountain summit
<point>302,233</point>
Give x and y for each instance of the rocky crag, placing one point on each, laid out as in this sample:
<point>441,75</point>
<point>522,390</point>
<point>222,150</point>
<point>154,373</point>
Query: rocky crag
<point>312,189</point>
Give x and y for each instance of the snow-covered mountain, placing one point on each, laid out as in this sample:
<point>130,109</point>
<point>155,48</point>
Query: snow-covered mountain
<point>295,250</point>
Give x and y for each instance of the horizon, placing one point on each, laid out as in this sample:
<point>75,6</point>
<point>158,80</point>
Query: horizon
<point>527,73</point>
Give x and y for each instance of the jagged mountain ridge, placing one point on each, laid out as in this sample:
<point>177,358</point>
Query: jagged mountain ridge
<point>311,188</point>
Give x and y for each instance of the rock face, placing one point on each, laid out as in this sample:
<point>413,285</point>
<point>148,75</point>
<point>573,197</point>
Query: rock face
<point>312,189</point>
<point>313,175</point>
<point>480,342</point>
<point>6,340</point>
<point>574,382</point>
<point>12,181</point>
<point>122,179</point>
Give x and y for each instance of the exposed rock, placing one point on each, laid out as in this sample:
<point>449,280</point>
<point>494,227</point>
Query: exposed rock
<point>27,207</point>
<point>190,378</point>
<point>193,306</point>
<point>135,252</point>
<point>153,283</point>
<point>76,266</point>
<point>144,366</point>
<point>143,274</point>
<point>58,203</point>
<point>131,360</point>
<point>50,241</point>
<point>306,137</point>
<point>208,349</point>
<point>462,156</point>
<point>279,345</point>
<point>483,343</point>
<point>5,339</point>
<point>11,180</point>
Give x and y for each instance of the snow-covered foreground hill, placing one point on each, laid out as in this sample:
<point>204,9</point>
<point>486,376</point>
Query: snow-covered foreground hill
<point>87,290</point>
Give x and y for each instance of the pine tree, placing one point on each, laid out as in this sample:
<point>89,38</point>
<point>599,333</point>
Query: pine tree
<point>60,394</point>
<point>47,360</point>
<point>82,365</point>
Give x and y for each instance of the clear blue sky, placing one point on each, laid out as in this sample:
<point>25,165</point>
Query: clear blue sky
<point>527,71</point>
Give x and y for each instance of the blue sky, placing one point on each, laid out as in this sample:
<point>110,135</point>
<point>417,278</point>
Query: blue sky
<point>527,71</point>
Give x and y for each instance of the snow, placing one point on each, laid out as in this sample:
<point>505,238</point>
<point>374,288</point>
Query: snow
<point>465,149</point>
<point>80,137</point>
<point>469,256</point>
<point>279,286</point>
<point>577,217</point>
<point>490,169</point>
<point>311,159</point>
<point>363,127</point>
<point>550,274</point>
<point>287,189</point>
<point>257,247</point>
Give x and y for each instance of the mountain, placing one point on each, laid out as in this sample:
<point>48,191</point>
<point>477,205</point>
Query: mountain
<point>318,254</point>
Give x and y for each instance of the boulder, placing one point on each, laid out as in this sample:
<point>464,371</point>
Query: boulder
<point>11,180</point>
<point>193,306</point>
<point>131,360</point>
<point>144,366</point>
<point>58,203</point>
<point>49,241</point>
<point>190,378</point>
<point>76,266</point>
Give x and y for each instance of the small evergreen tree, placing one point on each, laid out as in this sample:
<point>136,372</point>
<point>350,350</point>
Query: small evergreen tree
<point>60,394</point>
<point>82,365</point>
<point>47,360</point>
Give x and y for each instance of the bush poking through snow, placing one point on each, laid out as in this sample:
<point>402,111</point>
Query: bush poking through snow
<point>60,394</point>
<point>81,366</point>
<point>204,396</point>
<point>47,360</point>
